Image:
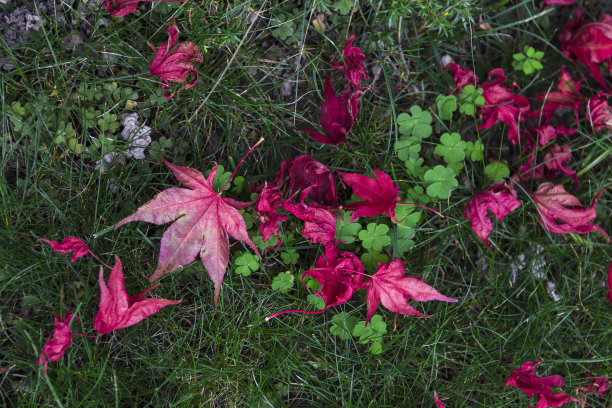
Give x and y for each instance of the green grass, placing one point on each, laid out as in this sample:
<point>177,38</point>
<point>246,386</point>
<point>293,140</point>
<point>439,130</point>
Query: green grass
<point>195,354</point>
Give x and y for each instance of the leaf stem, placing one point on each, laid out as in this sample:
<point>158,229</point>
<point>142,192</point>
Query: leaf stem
<point>423,206</point>
<point>260,141</point>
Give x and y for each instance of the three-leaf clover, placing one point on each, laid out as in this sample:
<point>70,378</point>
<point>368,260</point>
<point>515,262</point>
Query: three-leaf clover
<point>247,263</point>
<point>373,332</point>
<point>343,325</point>
<point>371,259</point>
<point>405,230</point>
<point>474,150</point>
<point>417,123</point>
<point>346,230</point>
<point>442,181</point>
<point>344,7</point>
<point>417,195</point>
<point>452,148</point>
<point>285,28</point>
<point>496,171</point>
<point>283,282</point>
<point>469,98</point>
<point>221,178</point>
<point>108,122</point>
<point>290,257</point>
<point>528,62</point>
<point>415,167</point>
<point>271,242</point>
<point>408,148</point>
<point>316,301</point>
<point>447,105</point>
<point>375,236</point>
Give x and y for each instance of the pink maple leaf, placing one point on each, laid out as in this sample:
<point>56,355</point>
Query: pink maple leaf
<point>561,213</point>
<point>304,171</point>
<point>352,67</point>
<point>548,3</point>
<point>173,63</point>
<point>319,222</point>
<point>380,194</point>
<point>203,222</point>
<point>556,159</point>
<point>391,287</point>
<point>567,96</point>
<point>609,295</point>
<point>69,244</point>
<point>599,113</point>
<point>500,199</point>
<point>461,75</point>
<point>117,310</point>
<point>526,380</point>
<point>600,385</point>
<point>269,203</point>
<point>503,105</point>
<point>337,114</point>
<point>339,273</point>
<point>55,347</point>
<point>120,8</point>
<point>589,42</point>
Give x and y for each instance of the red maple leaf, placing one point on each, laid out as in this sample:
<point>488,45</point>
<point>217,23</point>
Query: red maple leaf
<point>69,244</point>
<point>117,310</point>
<point>502,104</point>
<point>393,288</point>
<point>548,3</point>
<point>380,194</point>
<point>500,199</point>
<point>55,347</point>
<point>556,159</point>
<point>339,273</point>
<point>462,76</point>
<point>269,203</point>
<point>353,67</point>
<point>609,295</point>
<point>599,113</point>
<point>589,42</point>
<point>561,213</point>
<point>568,96</point>
<point>319,222</point>
<point>203,223</point>
<point>173,63</point>
<point>526,380</point>
<point>304,171</point>
<point>437,400</point>
<point>600,385</point>
<point>120,8</point>
<point>337,114</point>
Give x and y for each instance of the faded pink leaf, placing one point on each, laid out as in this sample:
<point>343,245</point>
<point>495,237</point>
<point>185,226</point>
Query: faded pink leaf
<point>599,113</point>
<point>600,385</point>
<point>500,199</point>
<point>69,244</point>
<point>120,8</point>
<point>461,75</point>
<point>203,223</point>
<point>117,310</point>
<point>556,159</point>
<point>319,222</point>
<point>55,347</point>
<point>269,203</point>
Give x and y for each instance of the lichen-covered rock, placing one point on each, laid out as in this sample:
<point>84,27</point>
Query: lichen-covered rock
<point>138,135</point>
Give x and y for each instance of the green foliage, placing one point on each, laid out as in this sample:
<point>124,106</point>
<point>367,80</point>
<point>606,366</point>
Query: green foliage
<point>160,148</point>
<point>442,181</point>
<point>405,229</point>
<point>529,61</point>
<point>283,282</point>
<point>452,148</point>
<point>316,301</point>
<point>372,333</point>
<point>408,148</point>
<point>474,150</point>
<point>239,185</point>
<point>447,105</point>
<point>346,230</point>
<point>371,259</point>
<point>221,178</point>
<point>246,263</point>
<point>344,7</point>
<point>343,325</point>
<point>287,24</point>
<point>416,123</point>
<point>259,242</point>
<point>290,257</point>
<point>417,195</point>
<point>375,237</point>
<point>469,98</point>
<point>496,171</point>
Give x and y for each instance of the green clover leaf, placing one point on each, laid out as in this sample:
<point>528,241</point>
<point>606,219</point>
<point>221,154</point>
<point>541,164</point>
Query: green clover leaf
<point>344,7</point>
<point>417,195</point>
<point>316,301</point>
<point>285,28</point>
<point>271,242</point>
<point>345,229</point>
<point>247,263</point>
<point>375,237</point>
<point>408,148</point>
<point>371,259</point>
<point>372,333</point>
<point>239,185</point>
<point>474,150</point>
<point>496,171</point>
<point>442,181</point>
<point>415,167</point>
<point>417,123</point>
<point>528,62</point>
<point>447,105</point>
<point>221,178</point>
<point>452,148</point>
<point>283,282</point>
<point>343,325</point>
<point>290,257</point>
<point>469,98</point>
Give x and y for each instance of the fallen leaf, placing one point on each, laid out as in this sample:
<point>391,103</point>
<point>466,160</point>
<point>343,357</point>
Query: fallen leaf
<point>121,8</point>
<point>55,347</point>
<point>548,3</point>
<point>562,213</point>
<point>567,96</point>
<point>556,159</point>
<point>304,171</point>
<point>352,67</point>
<point>391,287</point>
<point>526,380</point>
<point>269,203</point>
<point>319,222</point>
<point>461,75</point>
<point>437,400</point>
<point>609,295</point>
<point>500,199</point>
<point>600,385</point>
<point>599,113</point>
<point>117,310</point>
<point>203,223</point>
<point>380,194</point>
<point>173,63</point>
<point>69,244</point>
<point>589,42</point>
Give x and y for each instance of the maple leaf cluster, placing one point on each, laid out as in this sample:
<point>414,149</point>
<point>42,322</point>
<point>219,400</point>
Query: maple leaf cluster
<point>559,212</point>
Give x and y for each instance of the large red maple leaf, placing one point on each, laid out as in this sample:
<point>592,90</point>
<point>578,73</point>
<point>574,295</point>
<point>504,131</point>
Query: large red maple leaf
<point>380,194</point>
<point>393,288</point>
<point>203,223</point>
